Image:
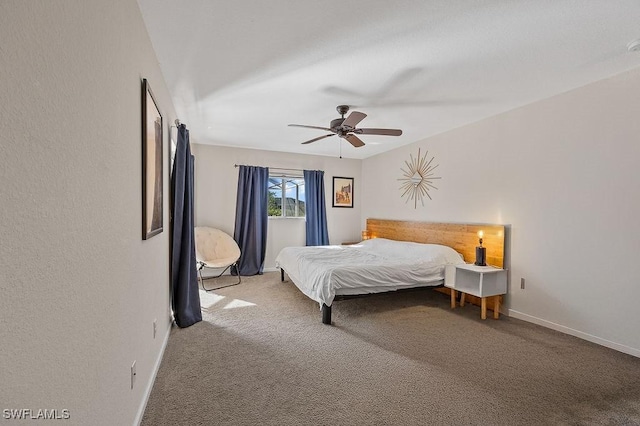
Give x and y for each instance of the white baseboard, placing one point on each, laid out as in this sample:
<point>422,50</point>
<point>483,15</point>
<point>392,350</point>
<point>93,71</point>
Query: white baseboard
<point>156,367</point>
<point>271,269</point>
<point>582,335</point>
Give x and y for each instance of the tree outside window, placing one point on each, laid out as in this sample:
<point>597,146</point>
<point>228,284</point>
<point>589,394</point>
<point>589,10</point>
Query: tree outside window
<point>286,196</point>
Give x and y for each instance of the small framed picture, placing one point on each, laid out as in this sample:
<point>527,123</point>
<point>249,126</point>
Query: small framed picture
<point>152,166</point>
<point>342,192</point>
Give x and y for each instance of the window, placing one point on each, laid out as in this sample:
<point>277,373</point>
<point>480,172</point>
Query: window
<point>286,196</point>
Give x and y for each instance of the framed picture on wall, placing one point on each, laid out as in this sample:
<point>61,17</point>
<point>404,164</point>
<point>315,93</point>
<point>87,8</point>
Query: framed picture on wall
<point>342,192</point>
<point>152,170</point>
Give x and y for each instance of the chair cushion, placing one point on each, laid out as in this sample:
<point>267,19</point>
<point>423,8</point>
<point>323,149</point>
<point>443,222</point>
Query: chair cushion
<point>215,248</point>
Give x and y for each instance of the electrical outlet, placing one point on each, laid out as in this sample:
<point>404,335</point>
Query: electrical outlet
<point>522,283</point>
<point>155,327</point>
<point>133,374</point>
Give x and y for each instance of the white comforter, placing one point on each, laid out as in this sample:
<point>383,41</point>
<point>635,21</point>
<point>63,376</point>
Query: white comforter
<point>372,266</point>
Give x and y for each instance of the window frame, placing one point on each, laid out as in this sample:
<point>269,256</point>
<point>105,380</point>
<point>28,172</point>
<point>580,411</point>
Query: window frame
<point>285,179</point>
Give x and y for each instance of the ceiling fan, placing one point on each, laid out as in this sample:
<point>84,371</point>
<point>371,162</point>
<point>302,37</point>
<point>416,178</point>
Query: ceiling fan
<point>346,128</point>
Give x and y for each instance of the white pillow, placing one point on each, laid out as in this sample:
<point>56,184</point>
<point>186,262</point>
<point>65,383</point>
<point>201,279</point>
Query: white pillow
<point>416,251</point>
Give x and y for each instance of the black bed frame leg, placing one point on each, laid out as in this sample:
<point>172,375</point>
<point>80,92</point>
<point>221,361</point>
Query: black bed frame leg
<point>326,314</point>
<point>281,274</point>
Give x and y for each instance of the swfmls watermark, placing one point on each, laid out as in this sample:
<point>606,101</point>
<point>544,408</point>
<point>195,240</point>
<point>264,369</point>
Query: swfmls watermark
<point>39,414</point>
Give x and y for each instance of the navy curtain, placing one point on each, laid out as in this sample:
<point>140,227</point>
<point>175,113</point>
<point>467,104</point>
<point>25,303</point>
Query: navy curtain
<point>185,299</point>
<point>251,219</point>
<point>316,210</point>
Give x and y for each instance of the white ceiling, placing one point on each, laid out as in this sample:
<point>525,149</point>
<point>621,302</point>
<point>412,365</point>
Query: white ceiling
<point>240,71</point>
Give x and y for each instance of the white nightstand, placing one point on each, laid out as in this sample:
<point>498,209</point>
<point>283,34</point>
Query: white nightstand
<point>479,281</point>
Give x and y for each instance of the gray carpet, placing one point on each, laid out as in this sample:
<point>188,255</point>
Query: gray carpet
<point>262,357</point>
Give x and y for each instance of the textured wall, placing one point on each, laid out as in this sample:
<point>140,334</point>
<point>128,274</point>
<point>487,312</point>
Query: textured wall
<point>79,288</point>
<point>563,173</point>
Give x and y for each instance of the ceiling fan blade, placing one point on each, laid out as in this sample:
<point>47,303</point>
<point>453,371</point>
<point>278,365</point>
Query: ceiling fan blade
<point>354,140</point>
<point>318,138</point>
<point>386,132</point>
<point>311,127</point>
<point>353,119</point>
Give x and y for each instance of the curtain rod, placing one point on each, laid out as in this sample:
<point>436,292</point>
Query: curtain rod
<point>271,168</point>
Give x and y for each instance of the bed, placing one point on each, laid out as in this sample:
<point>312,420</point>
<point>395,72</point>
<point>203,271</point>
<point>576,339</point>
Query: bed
<point>400,255</point>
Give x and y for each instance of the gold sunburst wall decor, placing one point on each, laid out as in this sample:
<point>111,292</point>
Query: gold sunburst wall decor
<point>418,178</point>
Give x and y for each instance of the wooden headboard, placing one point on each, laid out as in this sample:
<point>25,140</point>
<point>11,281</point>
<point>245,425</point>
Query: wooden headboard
<point>461,237</point>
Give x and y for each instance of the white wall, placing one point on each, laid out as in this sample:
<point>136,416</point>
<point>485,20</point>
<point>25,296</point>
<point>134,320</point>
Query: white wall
<point>217,183</point>
<point>79,288</point>
<point>563,173</point>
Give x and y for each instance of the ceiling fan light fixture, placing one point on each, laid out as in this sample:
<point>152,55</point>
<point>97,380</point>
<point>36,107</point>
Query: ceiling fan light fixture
<point>335,123</point>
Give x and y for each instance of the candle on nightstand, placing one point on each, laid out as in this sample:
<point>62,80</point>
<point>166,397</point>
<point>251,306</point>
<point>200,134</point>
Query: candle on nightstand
<point>481,252</point>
